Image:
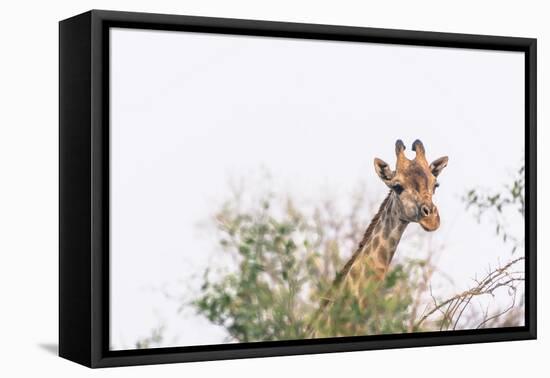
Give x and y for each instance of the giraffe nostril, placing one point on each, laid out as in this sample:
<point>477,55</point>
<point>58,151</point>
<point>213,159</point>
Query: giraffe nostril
<point>425,210</point>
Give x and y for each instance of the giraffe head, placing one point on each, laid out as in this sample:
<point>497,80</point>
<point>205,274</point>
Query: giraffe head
<point>413,183</point>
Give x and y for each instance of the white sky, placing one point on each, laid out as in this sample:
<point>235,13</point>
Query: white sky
<point>190,111</point>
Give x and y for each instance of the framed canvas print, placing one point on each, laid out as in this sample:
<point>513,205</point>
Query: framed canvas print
<point>236,188</point>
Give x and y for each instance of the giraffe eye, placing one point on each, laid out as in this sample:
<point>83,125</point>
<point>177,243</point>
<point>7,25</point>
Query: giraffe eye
<point>436,186</point>
<point>398,188</point>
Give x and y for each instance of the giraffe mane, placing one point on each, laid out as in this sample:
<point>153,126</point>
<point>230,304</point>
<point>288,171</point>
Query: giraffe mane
<point>366,237</point>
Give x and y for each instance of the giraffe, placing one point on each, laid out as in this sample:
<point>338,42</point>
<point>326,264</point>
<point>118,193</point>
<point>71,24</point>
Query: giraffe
<point>412,185</point>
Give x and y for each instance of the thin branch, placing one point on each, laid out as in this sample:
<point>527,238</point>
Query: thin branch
<point>495,279</point>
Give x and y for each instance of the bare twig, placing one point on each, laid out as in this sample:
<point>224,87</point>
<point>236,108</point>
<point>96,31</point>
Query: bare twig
<point>495,279</point>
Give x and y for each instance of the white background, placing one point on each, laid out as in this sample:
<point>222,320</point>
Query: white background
<point>28,194</point>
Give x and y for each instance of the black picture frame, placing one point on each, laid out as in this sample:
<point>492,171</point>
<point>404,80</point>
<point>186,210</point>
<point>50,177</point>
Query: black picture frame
<point>84,187</point>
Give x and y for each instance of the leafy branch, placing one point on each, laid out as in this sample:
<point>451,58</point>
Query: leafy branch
<point>500,204</point>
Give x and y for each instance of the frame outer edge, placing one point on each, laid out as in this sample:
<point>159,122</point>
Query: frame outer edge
<point>74,189</point>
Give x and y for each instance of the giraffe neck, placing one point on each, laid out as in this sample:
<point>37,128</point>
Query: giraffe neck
<point>371,260</point>
<point>379,243</point>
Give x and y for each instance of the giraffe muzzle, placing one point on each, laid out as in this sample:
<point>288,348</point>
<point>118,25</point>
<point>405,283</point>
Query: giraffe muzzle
<point>429,218</point>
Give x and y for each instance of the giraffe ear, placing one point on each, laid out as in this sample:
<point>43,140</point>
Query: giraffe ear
<point>383,170</point>
<point>437,165</point>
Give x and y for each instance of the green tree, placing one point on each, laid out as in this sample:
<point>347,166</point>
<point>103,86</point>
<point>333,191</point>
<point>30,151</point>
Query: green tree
<point>283,263</point>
